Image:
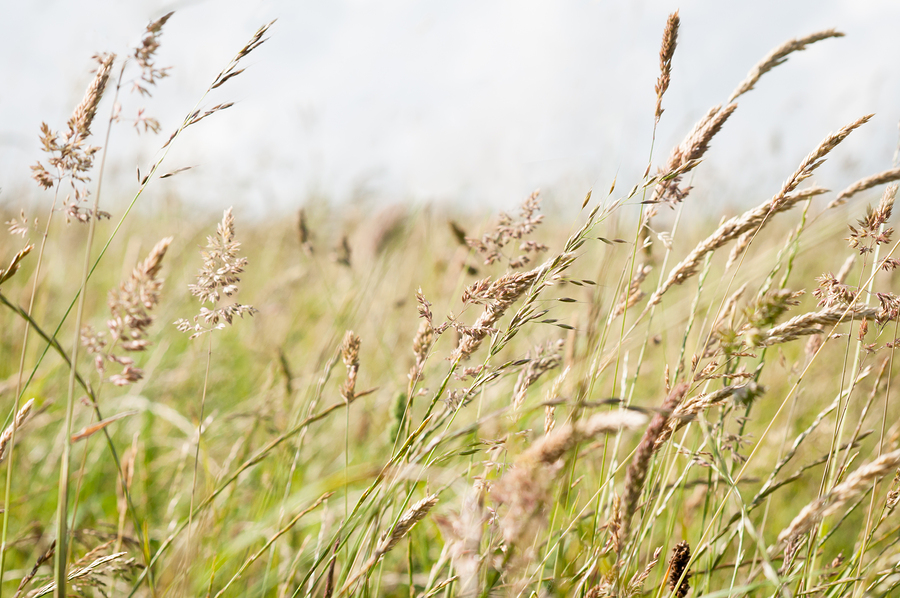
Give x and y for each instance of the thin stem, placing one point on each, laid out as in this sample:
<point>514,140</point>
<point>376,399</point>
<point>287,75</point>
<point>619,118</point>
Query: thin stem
<point>20,389</point>
<point>197,452</point>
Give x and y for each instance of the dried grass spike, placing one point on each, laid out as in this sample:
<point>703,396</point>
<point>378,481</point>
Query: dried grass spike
<point>881,178</point>
<point>854,485</point>
<point>778,56</point>
<point>14,264</point>
<point>20,418</point>
<point>666,52</point>
<point>637,469</point>
<point>350,357</point>
<point>678,570</point>
<point>388,541</point>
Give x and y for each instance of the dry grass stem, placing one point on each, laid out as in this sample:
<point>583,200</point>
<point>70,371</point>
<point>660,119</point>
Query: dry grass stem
<point>553,446</point>
<point>497,297</point>
<point>69,156</point>
<point>854,485</point>
<point>130,309</point>
<point>666,52</point>
<point>778,56</point>
<point>637,469</point>
<point>388,541</point>
<point>350,357</point>
<point>10,271</point>
<point>546,357</point>
<point>524,490</point>
<point>806,324</point>
<point>20,418</point>
<point>882,178</point>
<point>633,295</point>
<point>636,585</point>
<point>755,219</point>
<point>689,408</point>
<point>687,153</point>
<point>218,277</point>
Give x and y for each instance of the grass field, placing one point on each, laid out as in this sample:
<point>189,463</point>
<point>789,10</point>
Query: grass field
<point>636,401</point>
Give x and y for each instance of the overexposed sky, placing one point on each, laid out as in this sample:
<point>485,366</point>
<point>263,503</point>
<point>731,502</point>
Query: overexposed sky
<point>473,101</point>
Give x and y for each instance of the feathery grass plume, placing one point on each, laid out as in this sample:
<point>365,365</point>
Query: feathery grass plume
<point>83,117</point>
<point>20,418</point>
<point>18,226</point>
<point>786,198</point>
<point>778,56</point>
<point>231,70</point>
<point>768,309</point>
<point>636,585</point>
<point>10,271</point>
<point>69,156</point>
<point>552,398</point>
<point>687,153</point>
<point>613,529</point>
<point>545,358</point>
<point>637,469</point>
<point>423,306</point>
<point>853,486</point>
<point>678,570</point>
<point>738,250</point>
<point>217,277</point>
<point>497,297</point>
<point>509,229</point>
<point>870,233</point>
<point>888,176</point>
<point>421,345</point>
<point>806,324</point>
<point>764,311</point>
<point>689,408</point>
<point>633,295</point>
<point>666,52</point>
<point>130,306</point>
<point>145,56</point>
<point>95,571</point>
<point>464,530</point>
<point>725,320</point>
<point>833,291</point>
<point>553,446</point>
<point>45,556</point>
<point>410,518</point>
<point>350,357</point>
<point>893,495</point>
<point>389,540</point>
<point>524,489</point>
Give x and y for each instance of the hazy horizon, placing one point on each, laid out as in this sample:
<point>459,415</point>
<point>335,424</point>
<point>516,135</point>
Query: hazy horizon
<point>477,104</point>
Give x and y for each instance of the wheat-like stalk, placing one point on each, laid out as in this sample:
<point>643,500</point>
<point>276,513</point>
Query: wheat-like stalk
<point>778,56</point>
<point>854,485</point>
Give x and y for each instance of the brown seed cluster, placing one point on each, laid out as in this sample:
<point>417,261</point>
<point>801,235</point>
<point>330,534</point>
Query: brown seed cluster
<point>666,53</point>
<point>678,570</point>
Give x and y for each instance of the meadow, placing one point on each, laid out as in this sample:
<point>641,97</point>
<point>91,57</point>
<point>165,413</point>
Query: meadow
<point>637,400</point>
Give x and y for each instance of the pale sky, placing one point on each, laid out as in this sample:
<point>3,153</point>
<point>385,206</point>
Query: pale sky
<point>472,101</point>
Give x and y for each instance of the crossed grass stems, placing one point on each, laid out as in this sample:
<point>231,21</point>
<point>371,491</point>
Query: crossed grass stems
<point>418,445</point>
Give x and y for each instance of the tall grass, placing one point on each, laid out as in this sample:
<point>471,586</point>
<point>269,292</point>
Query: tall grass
<point>428,404</point>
